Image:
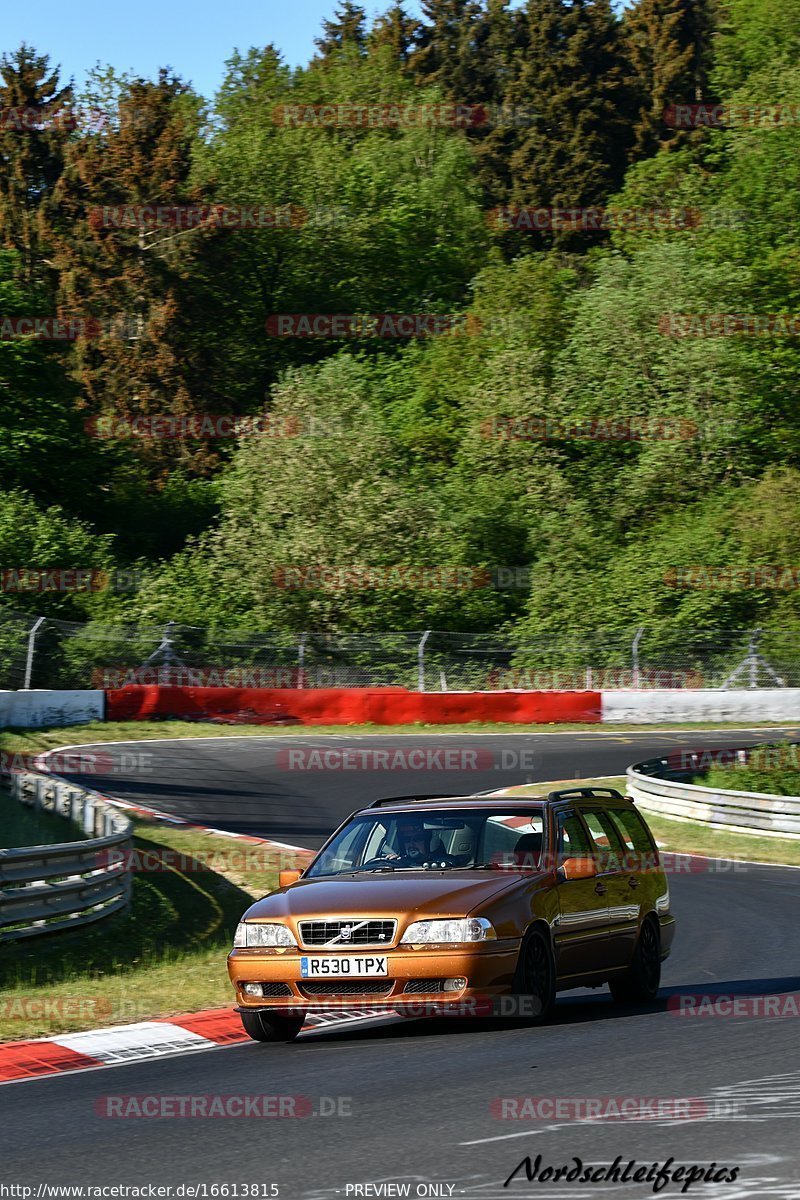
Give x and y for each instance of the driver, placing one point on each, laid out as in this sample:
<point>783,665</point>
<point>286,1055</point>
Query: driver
<point>414,842</point>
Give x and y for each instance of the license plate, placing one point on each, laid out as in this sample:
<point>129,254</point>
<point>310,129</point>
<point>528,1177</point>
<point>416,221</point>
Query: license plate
<point>354,966</point>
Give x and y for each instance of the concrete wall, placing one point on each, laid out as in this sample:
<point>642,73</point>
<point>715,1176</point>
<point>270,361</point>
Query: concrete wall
<point>646,707</point>
<point>36,709</point>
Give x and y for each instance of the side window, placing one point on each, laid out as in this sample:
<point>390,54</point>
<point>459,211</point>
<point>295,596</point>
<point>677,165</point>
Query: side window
<point>344,852</point>
<point>374,842</point>
<point>606,838</point>
<point>634,834</point>
<point>572,839</point>
<point>627,840</point>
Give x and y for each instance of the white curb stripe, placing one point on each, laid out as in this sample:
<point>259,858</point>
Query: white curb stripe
<point>144,1039</point>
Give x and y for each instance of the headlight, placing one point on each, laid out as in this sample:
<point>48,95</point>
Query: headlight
<point>457,929</point>
<point>250,933</point>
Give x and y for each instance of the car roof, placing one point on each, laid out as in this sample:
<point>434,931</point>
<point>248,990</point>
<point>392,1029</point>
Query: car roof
<point>408,804</point>
<point>473,803</point>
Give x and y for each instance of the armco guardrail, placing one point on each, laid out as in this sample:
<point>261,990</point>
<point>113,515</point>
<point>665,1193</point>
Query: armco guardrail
<point>657,787</point>
<point>45,889</point>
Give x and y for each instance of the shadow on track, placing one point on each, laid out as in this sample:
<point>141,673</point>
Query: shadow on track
<point>569,1010</point>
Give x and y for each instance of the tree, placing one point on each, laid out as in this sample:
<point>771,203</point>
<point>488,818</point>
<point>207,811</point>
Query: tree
<point>573,70</point>
<point>34,128</point>
<point>347,30</point>
<point>668,46</point>
<point>445,55</point>
<point>396,30</point>
<point>129,274</point>
<point>44,448</point>
<point>388,221</point>
<point>499,41</point>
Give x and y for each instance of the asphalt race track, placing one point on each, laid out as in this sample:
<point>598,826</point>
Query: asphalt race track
<point>279,787</point>
<point>412,1102</point>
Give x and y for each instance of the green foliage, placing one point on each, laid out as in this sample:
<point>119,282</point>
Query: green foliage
<point>773,770</point>
<point>463,450</point>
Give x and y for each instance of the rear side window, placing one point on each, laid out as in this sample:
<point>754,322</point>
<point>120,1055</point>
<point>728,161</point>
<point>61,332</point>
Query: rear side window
<point>572,839</point>
<point>607,839</point>
<point>632,830</point>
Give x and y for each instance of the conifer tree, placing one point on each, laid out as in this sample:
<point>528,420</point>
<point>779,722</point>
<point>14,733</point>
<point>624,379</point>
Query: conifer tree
<point>35,114</point>
<point>573,71</point>
<point>131,274</point>
<point>445,55</point>
<point>498,43</point>
<point>397,30</point>
<point>667,44</point>
<point>347,29</point>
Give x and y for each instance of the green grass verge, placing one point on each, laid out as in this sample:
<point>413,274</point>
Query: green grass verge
<point>21,826</point>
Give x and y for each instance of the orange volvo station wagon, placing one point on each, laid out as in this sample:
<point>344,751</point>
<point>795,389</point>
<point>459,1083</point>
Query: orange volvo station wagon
<point>443,901</point>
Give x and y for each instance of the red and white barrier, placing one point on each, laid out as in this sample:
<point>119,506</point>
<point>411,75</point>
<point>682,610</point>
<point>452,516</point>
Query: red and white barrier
<point>351,706</point>
<point>396,706</point>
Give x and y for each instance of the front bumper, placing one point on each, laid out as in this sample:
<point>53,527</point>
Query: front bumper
<point>489,971</point>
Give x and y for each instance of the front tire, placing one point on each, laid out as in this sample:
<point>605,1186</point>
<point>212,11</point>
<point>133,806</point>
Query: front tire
<point>640,983</point>
<point>272,1027</point>
<point>536,979</point>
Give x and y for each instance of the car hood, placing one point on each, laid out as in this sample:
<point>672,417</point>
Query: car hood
<point>419,892</point>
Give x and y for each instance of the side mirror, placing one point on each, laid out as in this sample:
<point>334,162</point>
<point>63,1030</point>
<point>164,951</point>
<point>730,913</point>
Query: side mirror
<point>577,868</point>
<point>288,877</point>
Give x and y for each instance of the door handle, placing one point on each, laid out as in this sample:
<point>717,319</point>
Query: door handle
<point>633,882</point>
<point>601,889</point>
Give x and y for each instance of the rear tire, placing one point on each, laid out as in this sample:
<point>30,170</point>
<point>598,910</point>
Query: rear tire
<point>640,983</point>
<point>272,1027</point>
<point>536,979</point>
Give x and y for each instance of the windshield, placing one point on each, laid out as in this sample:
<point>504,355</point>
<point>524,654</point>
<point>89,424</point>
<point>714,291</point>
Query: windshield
<point>406,841</point>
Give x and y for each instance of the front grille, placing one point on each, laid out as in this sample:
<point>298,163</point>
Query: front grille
<point>424,985</point>
<point>347,987</point>
<point>348,931</point>
<point>275,989</point>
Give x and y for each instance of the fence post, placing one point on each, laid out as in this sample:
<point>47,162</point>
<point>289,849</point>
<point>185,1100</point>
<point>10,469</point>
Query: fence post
<point>301,660</point>
<point>31,646</point>
<point>421,661</point>
<point>635,656</point>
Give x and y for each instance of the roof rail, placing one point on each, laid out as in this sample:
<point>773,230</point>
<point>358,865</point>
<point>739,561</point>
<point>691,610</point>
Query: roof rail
<point>416,798</point>
<point>585,793</point>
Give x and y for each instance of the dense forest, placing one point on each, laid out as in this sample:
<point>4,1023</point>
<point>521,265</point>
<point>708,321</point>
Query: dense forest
<point>577,434</point>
